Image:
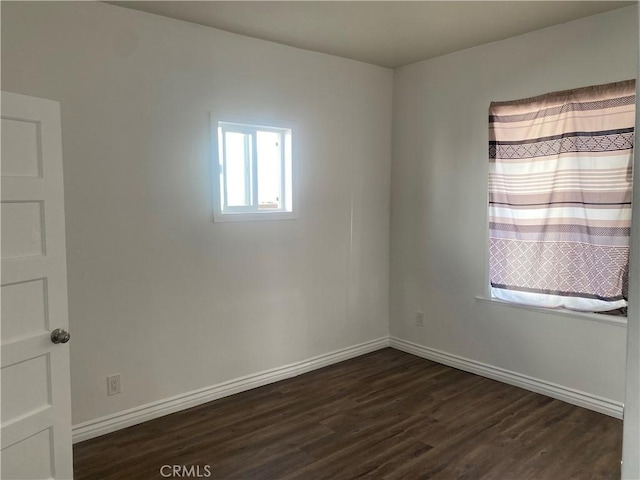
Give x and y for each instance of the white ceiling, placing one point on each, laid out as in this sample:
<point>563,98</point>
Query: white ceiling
<point>385,33</point>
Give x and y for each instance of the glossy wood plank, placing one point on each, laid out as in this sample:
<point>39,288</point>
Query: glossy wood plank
<point>386,415</point>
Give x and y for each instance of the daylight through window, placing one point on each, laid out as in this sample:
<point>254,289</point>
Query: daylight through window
<point>254,170</point>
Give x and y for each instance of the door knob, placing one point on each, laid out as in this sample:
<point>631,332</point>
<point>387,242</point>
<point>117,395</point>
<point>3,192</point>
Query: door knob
<point>60,336</point>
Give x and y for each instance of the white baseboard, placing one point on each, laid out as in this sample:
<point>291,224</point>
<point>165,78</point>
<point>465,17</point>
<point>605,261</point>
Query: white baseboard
<point>566,394</point>
<point>149,411</point>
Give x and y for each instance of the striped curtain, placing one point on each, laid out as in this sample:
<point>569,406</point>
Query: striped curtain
<point>560,197</point>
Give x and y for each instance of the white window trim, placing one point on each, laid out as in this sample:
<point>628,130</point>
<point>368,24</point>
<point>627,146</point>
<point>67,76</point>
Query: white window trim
<point>595,317</point>
<point>252,215</point>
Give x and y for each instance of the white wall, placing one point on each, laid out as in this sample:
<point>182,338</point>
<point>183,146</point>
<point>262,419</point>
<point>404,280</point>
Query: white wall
<point>439,202</point>
<point>157,292</point>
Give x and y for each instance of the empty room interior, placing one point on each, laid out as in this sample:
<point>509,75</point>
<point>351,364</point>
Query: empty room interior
<point>320,240</point>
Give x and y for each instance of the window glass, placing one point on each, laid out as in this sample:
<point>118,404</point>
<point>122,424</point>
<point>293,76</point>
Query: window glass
<point>238,169</point>
<point>269,149</point>
<point>254,172</point>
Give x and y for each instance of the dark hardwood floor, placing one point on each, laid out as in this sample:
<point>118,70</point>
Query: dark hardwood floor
<point>385,415</point>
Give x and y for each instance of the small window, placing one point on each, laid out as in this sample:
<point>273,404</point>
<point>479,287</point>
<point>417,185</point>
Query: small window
<point>253,172</point>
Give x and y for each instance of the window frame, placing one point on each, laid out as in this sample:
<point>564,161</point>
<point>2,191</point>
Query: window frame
<point>250,126</point>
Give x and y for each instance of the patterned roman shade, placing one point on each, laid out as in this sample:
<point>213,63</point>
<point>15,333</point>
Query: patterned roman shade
<point>560,197</point>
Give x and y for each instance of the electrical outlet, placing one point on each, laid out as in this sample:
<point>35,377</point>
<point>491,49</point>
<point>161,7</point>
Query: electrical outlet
<point>420,319</point>
<point>113,384</point>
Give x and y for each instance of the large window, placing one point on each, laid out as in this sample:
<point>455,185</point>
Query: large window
<point>254,172</point>
<point>560,198</point>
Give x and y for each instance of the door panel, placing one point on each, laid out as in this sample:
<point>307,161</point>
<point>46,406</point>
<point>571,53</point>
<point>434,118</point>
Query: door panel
<point>29,458</point>
<point>36,403</point>
<point>21,156</point>
<point>24,238</point>
<point>33,377</point>
<point>24,309</point>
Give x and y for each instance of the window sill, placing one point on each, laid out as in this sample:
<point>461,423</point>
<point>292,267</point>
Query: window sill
<point>595,317</point>
<point>254,217</point>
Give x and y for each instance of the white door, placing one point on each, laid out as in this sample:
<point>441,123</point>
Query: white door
<point>36,401</point>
